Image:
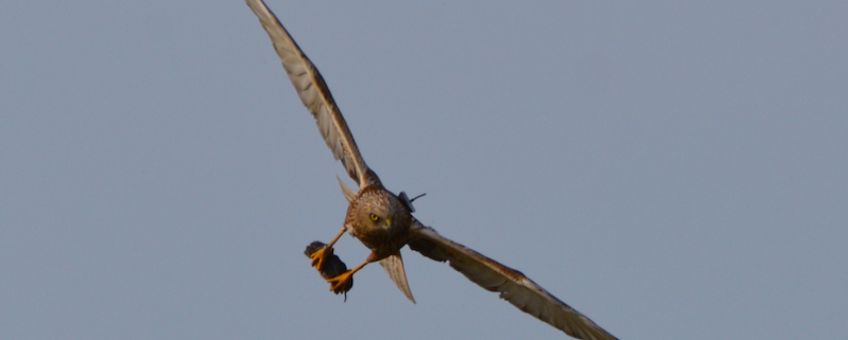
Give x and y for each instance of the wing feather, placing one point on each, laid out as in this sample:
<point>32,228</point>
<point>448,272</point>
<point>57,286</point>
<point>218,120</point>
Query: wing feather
<point>315,95</point>
<point>512,284</point>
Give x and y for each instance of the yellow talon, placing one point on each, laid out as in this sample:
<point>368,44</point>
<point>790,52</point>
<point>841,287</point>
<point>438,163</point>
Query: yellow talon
<point>319,256</point>
<point>341,280</point>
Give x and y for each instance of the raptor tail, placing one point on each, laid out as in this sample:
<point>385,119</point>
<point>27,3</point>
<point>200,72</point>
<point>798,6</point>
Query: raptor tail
<point>394,267</point>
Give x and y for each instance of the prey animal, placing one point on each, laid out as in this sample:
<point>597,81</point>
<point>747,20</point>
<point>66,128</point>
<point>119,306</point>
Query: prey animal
<point>332,267</point>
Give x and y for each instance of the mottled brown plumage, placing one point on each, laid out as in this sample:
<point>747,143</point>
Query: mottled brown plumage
<point>379,219</point>
<point>383,222</point>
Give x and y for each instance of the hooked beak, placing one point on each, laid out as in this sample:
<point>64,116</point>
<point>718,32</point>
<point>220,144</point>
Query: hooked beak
<point>388,222</point>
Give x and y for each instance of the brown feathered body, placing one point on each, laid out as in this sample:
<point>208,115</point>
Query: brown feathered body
<point>380,220</point>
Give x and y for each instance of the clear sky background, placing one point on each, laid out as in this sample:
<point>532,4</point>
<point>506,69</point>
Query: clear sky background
<point>672,170</point>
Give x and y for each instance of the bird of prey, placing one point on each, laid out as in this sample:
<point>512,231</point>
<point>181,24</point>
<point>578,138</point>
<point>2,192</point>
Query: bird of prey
<point>383,221</point>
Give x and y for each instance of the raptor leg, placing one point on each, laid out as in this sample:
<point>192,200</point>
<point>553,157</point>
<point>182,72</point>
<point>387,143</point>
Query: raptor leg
<point>342,279</point>
<point>319,256</point>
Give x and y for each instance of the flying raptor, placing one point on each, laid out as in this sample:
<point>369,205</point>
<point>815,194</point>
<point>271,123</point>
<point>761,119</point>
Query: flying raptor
<point>383,221</point>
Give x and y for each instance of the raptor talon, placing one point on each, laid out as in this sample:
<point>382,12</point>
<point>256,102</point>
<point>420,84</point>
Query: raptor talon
<point>319,257</point>
<point>339,282</point>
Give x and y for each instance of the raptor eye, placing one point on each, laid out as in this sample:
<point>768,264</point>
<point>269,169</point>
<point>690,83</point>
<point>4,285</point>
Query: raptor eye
<point>373,217</point>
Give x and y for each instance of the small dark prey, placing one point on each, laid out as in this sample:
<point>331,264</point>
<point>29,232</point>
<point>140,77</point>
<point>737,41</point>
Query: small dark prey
<point>333,266</point>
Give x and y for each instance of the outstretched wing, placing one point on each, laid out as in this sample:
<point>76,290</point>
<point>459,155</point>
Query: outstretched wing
<point>315,95</point>
<point>512,284</point>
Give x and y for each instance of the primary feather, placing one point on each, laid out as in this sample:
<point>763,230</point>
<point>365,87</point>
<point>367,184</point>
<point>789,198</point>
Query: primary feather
<point>512,284</point>
<point>315,95</point>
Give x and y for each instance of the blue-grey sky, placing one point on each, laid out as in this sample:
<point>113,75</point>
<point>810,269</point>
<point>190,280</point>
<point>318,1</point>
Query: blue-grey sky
<point>671,170</point>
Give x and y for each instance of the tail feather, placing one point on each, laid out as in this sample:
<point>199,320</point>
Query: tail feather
<point>394,267</point>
